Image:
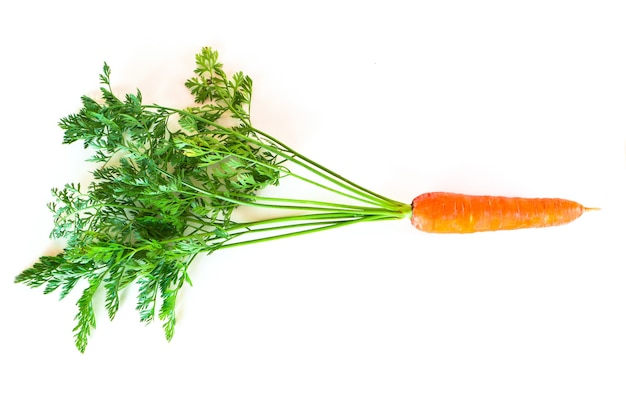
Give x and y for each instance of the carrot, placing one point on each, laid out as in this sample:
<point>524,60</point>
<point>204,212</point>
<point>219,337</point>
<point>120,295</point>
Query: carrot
<point>441,212</point>
<point>172,196</point>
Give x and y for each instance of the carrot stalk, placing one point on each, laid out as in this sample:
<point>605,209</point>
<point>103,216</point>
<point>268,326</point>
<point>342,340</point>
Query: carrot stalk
<point>442,212</point>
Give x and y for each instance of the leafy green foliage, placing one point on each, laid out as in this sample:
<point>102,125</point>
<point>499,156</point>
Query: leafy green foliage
<point>166,187</point>
<point>138,220</point>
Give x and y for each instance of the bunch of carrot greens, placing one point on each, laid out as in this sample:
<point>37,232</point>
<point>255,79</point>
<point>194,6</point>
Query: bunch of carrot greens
<point>169,181</point>
<point>166,190</point>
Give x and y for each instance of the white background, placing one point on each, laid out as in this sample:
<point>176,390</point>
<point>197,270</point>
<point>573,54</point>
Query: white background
<point>486,97</point>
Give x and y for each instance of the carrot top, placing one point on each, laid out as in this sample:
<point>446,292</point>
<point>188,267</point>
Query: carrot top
<point>181,175</point>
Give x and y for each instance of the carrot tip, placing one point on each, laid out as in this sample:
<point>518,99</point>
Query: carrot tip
<point>591,208</point>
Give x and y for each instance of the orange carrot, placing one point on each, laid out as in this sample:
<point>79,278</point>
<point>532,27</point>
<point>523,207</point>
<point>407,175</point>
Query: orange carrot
<point>441,212</point>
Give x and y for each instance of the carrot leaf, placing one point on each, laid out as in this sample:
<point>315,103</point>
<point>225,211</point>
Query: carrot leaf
<point>166,188</point>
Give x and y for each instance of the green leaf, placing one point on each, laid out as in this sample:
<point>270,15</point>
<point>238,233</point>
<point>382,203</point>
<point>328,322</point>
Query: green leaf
<point>167,313</point>
<point>86,318</point>
<point>106,74</point>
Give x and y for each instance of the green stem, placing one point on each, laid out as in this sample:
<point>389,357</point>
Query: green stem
<point>318,205</point>
<point>323,168</point>
<point>297,221</point>
<point>295,157</point>
<point>302,203</point>
<point>307,231</point>
<point>324,173</point>
<point>289,173</point>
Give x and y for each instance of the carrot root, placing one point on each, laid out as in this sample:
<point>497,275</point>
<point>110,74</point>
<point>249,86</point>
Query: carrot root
<point>441,212</point>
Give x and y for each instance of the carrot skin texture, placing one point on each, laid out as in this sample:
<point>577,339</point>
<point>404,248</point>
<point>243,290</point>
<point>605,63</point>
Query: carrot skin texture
<point>441,212</point>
